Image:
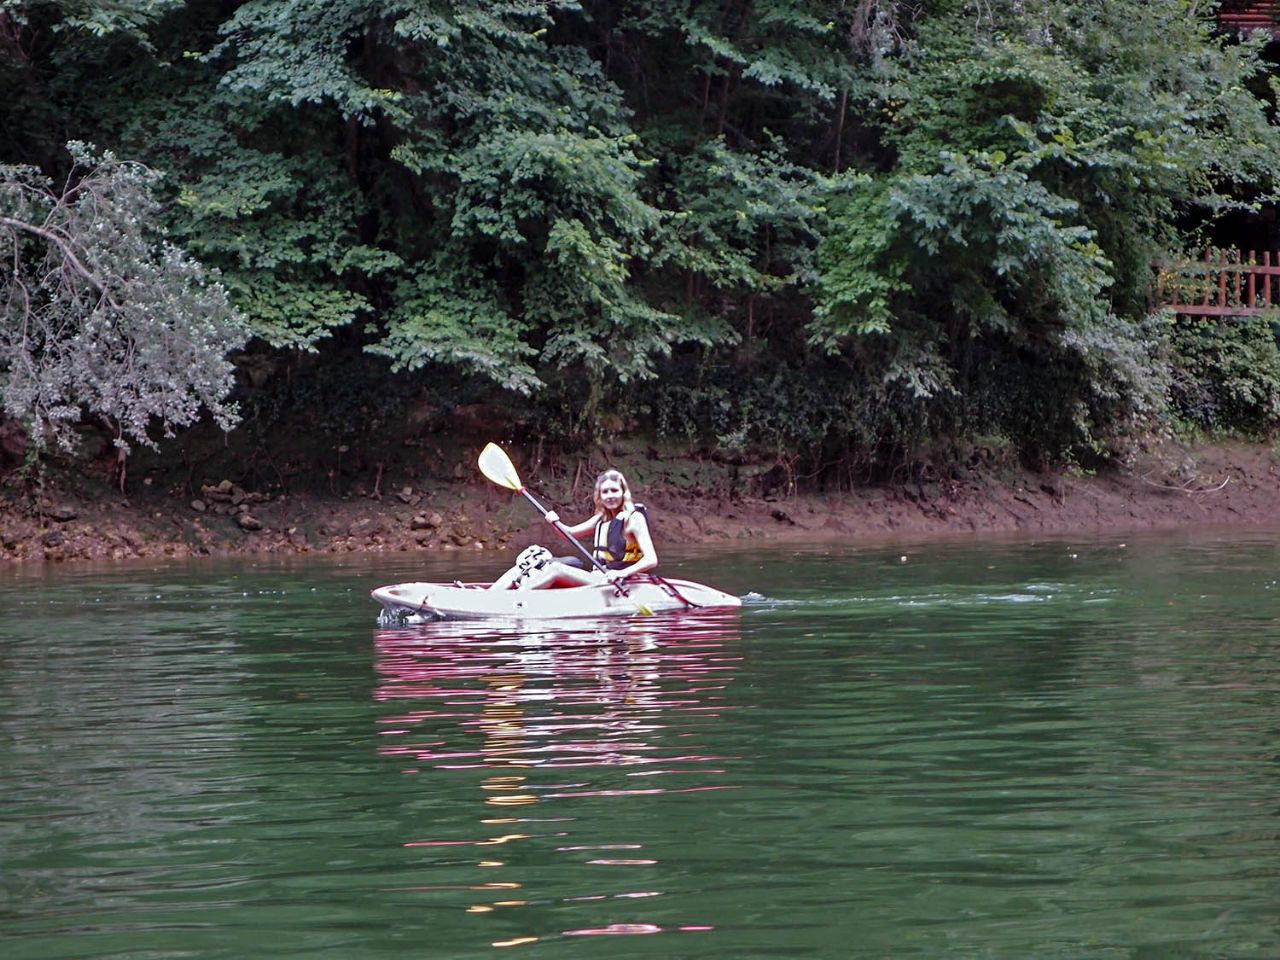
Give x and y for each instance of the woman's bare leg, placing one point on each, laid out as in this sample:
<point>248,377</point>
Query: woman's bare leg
<point>552,572</point>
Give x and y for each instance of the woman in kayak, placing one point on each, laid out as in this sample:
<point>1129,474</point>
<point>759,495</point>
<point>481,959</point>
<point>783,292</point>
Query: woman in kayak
<point>620,543</point>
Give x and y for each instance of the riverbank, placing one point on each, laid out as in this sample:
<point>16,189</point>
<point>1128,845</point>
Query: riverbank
<point>81,518</point>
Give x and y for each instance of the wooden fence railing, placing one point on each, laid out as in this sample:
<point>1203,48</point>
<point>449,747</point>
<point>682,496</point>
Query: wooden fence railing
<point>1250,15</point>
<point>1226,283</point>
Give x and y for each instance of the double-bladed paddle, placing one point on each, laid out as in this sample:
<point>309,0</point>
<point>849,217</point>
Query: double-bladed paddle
<point>497,466</point>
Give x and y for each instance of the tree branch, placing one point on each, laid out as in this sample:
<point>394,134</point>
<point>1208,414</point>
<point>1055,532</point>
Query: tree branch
<point>11,35</point>
<point>58,241</point>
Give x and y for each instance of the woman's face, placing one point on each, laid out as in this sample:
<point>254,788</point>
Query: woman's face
<point>611,494</point>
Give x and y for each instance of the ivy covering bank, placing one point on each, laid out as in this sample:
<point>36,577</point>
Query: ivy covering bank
<point>838,232</point>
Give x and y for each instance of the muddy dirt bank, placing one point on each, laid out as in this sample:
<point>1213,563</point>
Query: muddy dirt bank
<point>1233,485</point>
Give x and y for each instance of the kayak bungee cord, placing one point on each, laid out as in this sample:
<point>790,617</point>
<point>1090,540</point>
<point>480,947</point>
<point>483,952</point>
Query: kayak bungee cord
<point>671,589</point>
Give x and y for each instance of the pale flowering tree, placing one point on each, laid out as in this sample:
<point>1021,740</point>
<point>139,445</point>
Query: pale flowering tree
<point>99,315</point>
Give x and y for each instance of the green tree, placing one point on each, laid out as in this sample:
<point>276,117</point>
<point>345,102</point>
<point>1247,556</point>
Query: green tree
<point>940,218</point>
<point>1041,155</point>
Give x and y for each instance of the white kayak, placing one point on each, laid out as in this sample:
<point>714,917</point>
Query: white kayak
<point>644,594</point>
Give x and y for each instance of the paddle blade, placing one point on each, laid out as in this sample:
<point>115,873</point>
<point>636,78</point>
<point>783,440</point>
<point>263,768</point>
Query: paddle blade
<point>497,466</point>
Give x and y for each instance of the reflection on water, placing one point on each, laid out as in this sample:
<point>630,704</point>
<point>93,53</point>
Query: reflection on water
<point>621,706</point>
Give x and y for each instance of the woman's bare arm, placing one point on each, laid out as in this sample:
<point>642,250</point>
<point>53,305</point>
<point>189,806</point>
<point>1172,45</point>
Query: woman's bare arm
<point>638,527</point>
<point>578,529</point>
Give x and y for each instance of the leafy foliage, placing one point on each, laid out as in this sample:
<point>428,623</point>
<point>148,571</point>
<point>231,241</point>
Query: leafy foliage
<point>1226,373</point>
<point>433,323</point>
<point>99,314</point>
<point>1039,159</point>
<point>98,17</point>
<point>834,231</point>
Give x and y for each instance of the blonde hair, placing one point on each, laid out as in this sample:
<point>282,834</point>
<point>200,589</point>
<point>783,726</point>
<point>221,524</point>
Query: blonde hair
<point>627,502</point>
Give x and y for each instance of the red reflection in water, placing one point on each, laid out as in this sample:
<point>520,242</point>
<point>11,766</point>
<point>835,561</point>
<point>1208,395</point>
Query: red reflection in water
<point>600,695</point>
<point>616,929</point>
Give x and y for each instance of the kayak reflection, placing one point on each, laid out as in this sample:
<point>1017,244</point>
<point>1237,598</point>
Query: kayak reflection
<point>489,695</point>
<point>566,731</point>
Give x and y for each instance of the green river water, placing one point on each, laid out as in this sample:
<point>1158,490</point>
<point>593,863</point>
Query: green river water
<point>1000,750</point>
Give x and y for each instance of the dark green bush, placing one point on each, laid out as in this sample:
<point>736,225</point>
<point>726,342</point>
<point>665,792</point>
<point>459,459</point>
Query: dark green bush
<point>1226,374</point>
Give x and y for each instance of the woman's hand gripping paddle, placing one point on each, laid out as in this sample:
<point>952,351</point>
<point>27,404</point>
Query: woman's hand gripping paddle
<point>497,466</point>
